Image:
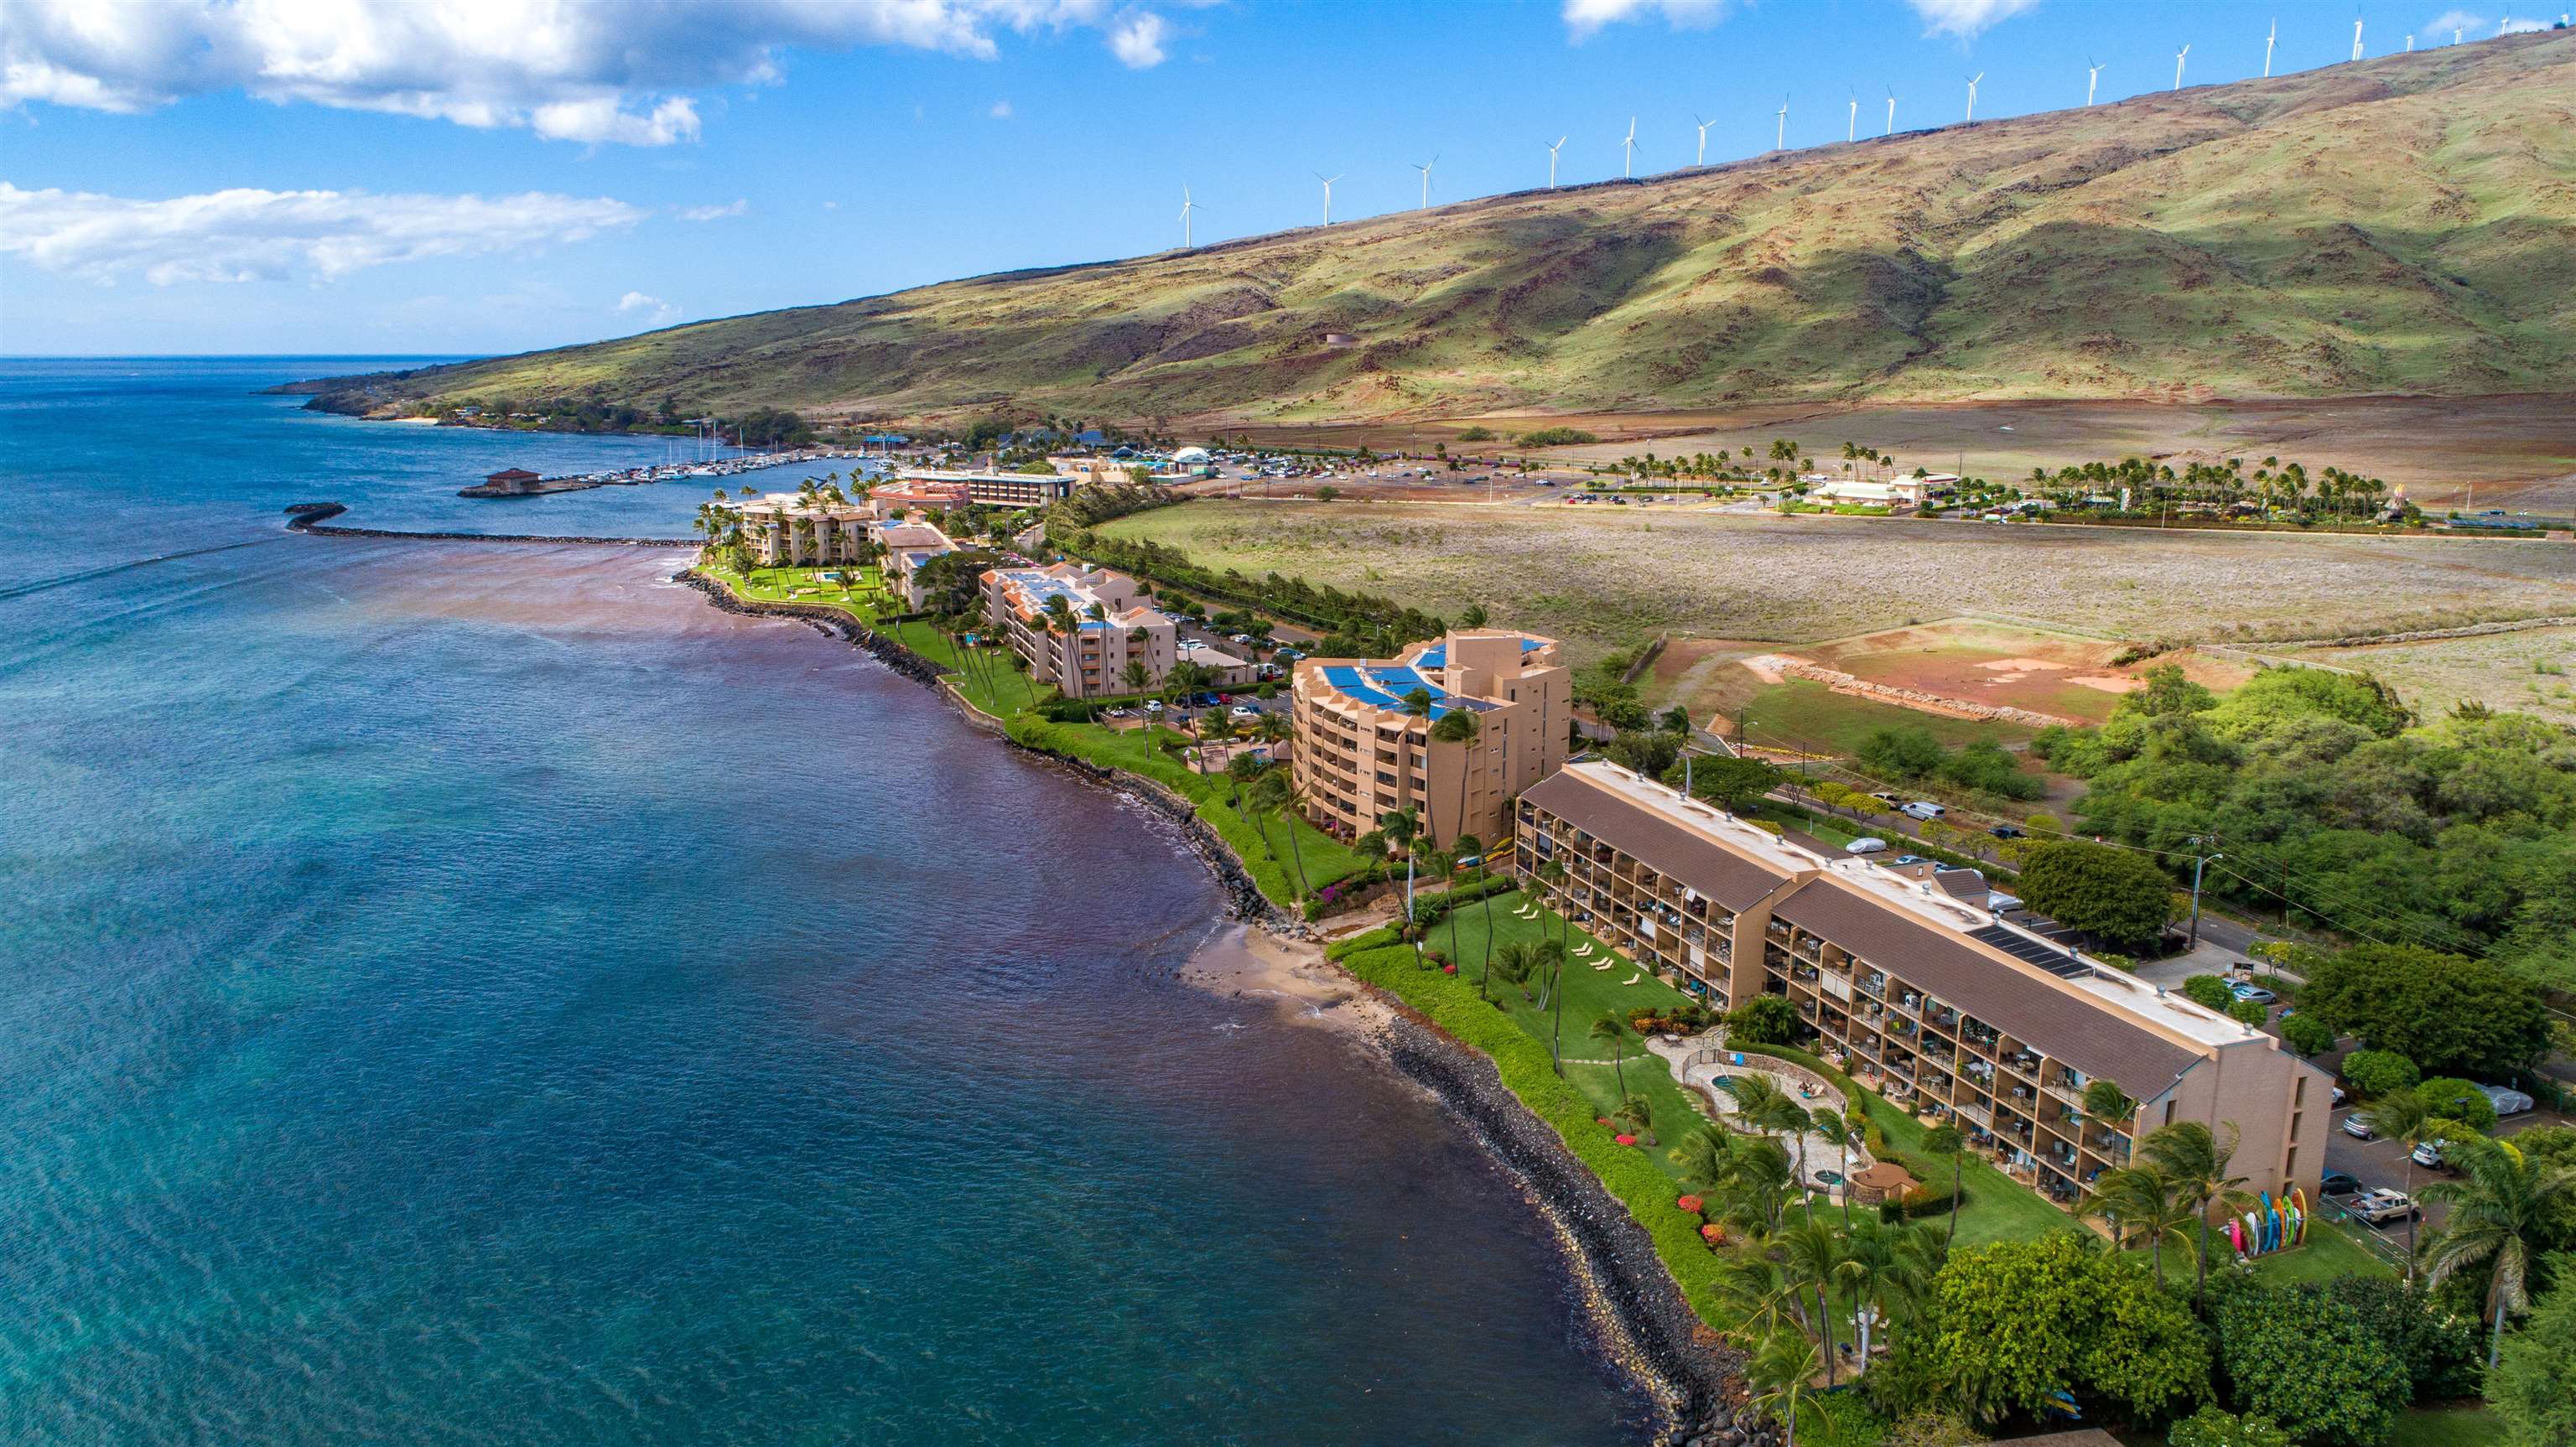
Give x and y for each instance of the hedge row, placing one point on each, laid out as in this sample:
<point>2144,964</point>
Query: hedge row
<point>1450,1001</point>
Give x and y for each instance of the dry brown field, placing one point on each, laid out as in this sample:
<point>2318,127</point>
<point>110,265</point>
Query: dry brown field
<point>2513,452</point>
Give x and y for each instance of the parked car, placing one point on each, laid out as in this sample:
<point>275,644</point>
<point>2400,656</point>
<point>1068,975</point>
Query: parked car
<point>2009,831</point>
<point>1888,799</point>
<point>2429,1155</point>
<point>1153,705</point>
<point>1866,844</point>
<point>2358,1127</point>
<point>1923,809</point>
<point>1903,860</point>
<point>1243,711</point>
<point>1240,637</point>
<point>2339,1183</point>
<point>2255,993</point>
<point>2506,1101</point>
<point>1289,655</point>
<point>1116,713</point>
<point>2381,1205</point>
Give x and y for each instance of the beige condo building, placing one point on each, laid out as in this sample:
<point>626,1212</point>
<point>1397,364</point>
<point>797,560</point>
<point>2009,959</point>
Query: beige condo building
<point>1109,628</point>
<point>786,529</point>
<point>1361,754</point>
<point>1926,996</point>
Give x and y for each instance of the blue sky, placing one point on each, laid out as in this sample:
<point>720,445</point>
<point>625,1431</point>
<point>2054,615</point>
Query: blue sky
<point>418,176</point>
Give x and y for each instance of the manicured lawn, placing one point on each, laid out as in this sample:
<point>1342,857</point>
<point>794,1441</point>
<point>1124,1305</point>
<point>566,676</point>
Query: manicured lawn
<point>2447,1427</point>
<point>1997,1208</point>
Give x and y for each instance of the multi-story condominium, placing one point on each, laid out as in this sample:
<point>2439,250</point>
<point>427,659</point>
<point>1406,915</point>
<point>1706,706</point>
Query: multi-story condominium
<point>1001,489</point>
<point>791,529</point>
<point>909,544</point>
<point>1927,996</point>
<point>1363,752</point>
<point>896,499</point>
<point>1097,632</point>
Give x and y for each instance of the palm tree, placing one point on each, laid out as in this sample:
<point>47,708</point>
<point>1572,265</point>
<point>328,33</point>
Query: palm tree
<point>1611,1031</point>
<point>1706,1156</point>
<point>2142,1208</point>
<point>1945,1139</point>
<point>1270,794</point>
<point>1515,963</point>
<point>1471,847</point>
<point>1881,1265</point>
<point>1758,1295</point>
<point>2501,1211</point>
<point>1399,827</point>
<point>1458,726</point>
<point>1553,872</point>
<point>2402,1116</point>
<point>2196,1162</point>
<point>1813,1255</point>
<point>1417,704</point>
<point>1779,1373</point>
<point>1833,1127</point>
<point>1638,1117</point>
<point>2106,1103</point>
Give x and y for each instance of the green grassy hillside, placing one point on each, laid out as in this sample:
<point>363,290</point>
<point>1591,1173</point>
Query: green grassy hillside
<point>2406,224</point>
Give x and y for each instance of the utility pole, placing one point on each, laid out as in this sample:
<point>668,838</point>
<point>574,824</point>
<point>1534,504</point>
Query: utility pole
<point>2199,861</point>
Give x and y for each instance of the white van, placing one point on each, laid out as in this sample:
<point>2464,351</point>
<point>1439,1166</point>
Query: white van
<point>1922,809</point>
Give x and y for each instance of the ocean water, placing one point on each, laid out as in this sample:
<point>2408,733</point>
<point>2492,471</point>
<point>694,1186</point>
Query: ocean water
<point>461,993</point>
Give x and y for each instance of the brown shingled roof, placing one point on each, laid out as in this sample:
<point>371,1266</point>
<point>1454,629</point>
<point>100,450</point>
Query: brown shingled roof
<point>2089,1037</point>
<point>1730,879</point>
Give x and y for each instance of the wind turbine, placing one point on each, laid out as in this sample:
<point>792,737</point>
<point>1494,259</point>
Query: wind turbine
<point>2268,42</point>
<point>1425,169</point>
<point>2455,35</point>
<point>2356,37</point>
<point>1780,140</point>
<point>1702,158</point>
<point>2092,78</point>
<point>1972,93</point>
<point>1551,162</point>
<point>1628,147</point>
<point>1851,127</point>
<point>2178,59</point>
<point>1891,110</point>
<point>1187,206</point>
<point>2410,45</point>
<point>1328,195</point>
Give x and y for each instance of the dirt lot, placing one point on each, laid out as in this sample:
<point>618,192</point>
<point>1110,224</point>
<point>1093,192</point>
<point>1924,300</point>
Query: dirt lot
<point>2516,452</point>
<point>1607,579</point>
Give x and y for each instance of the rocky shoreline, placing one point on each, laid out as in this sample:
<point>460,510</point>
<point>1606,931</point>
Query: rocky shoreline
<point>1647,1329</point>
<point>308,517</point>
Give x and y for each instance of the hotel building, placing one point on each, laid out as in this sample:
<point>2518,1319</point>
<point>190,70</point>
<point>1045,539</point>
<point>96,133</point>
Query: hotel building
<point>1000,489</point>
<point>1090,659</point>
<point>793,529</point>
<point>908,544</point>
<point>1360,754</point>
<point>1926,996</point>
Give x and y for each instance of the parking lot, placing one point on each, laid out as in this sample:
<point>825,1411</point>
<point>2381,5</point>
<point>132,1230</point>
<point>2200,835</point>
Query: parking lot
<point>2382,1163</point>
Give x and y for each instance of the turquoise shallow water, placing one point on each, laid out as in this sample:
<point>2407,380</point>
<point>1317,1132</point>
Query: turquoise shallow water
<point>470,994</point>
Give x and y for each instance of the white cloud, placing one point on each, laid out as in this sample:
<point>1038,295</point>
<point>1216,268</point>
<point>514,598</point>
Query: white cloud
<point>1001,110</point>
<point>1137,40</point>
<point>2450,20</point>
<point>656,311</point>
<point>739,206</point>
<point>1966,18</point>
<point>1585,18</point>
<point>596,71</point>
<point>252,235</point>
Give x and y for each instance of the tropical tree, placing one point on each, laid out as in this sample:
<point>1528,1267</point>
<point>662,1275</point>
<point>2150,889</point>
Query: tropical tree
<point>2501,1210</point>
<point>1780,1373</point>
<point>1417,704</point>
<point>1552,873</point>
<point>2142,1208</point>
<point>1706,1157</point>
<point>1272,793</point>
<point>1812,1254</point>
<point>1837,1132</point>
<point>2196,1162</point>
<point>1610,1030</point>
<point>1516,962</point>
<point>1758,1296</point>
<point>2400,1116</point>
<point>1638,1117</point>
<point>1468,846</point>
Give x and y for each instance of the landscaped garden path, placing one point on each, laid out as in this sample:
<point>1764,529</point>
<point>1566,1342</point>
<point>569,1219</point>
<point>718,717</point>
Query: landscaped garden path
<point>1699,1063</point>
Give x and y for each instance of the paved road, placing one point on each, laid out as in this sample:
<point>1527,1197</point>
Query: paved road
<point>2384,1163</point>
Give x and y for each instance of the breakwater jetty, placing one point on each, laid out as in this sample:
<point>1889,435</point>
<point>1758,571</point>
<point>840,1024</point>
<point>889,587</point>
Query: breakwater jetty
<point>314,517</point>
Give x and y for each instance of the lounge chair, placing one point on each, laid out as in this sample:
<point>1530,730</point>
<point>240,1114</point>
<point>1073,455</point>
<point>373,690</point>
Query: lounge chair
<point>1632,979</point>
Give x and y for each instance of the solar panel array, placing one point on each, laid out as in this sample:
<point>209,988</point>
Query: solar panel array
<point>2030,951</point>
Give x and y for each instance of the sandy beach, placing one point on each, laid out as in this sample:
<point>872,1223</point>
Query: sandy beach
<point>1245,962</point>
